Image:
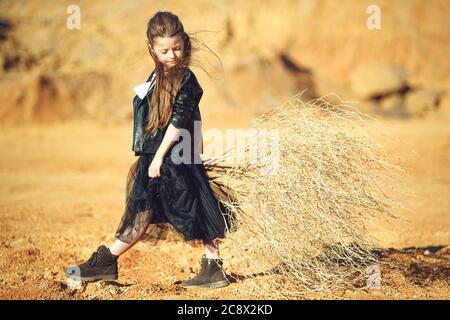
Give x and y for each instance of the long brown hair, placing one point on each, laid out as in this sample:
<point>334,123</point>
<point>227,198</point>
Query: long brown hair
<point>167,83</point>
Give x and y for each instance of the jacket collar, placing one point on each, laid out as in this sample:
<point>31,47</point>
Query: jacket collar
<point>143,89</point>
<point>147,87</point>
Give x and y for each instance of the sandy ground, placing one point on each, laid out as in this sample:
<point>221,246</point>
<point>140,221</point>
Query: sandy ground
<point>62,194</point>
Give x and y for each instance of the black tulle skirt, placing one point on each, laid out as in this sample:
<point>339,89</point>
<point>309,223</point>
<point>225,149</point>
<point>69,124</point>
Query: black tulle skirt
<point>180,203</point>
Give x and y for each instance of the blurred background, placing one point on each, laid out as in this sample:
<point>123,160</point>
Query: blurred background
<point>270,51</point>
<point>66,115</point>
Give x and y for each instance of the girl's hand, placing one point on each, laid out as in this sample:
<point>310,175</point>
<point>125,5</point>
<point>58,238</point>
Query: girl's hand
<point>155,166</point>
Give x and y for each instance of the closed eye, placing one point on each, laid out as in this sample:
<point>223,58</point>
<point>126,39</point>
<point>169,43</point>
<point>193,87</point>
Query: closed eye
<point>165,51</point>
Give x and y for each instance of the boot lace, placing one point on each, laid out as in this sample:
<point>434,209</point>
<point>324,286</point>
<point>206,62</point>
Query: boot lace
<point>93,259</point>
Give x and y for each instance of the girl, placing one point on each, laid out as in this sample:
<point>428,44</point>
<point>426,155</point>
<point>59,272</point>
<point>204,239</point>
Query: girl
<point>168,183</point>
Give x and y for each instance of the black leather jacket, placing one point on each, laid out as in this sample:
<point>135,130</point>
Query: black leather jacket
<point>185,111</point>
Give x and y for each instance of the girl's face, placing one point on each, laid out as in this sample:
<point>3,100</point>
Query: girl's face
<point>169,50</point>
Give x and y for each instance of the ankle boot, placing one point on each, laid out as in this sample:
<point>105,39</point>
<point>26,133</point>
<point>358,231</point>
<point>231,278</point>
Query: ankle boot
<point>210,275</point>
<point>102,265</point>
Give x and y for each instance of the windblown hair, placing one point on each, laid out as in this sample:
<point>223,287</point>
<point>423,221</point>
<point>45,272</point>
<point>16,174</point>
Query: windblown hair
<point>167,24</point>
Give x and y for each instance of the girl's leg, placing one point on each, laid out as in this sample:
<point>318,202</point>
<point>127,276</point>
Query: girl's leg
<point>211,249</point>
<point>119,247</point>
<point>131,236</point>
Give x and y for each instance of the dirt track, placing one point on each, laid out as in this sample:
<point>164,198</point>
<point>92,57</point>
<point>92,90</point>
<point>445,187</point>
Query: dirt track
<point>62,195</point>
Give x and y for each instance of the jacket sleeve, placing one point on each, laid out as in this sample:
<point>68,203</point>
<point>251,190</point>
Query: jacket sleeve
<point>186,100</point>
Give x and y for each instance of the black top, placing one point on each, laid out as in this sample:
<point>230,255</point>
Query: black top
<point>185,113</point>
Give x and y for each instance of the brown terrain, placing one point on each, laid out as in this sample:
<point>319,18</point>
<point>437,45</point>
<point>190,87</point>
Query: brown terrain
<point>66,123</point>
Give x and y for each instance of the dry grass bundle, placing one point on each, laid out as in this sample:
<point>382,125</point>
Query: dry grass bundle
<point>301,211</point>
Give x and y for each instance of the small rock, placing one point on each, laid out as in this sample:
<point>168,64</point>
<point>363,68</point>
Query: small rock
<point>43,285</point>
<point>393,106</point>
<point>369,80</point>
<point>113,290</point>
<point>99,285</point>
<point>72,284</point>
<point>444,251</point>
<point>17,242</point>
<point>422,101</point>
